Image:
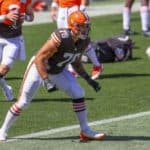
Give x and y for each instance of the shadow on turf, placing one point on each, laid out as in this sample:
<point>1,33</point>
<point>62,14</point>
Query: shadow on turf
<point>76,138</point>
<point>57,99</point>
<point>72,138</point>
<point>126,138</point>
<point>124,75</point>
<point>14,78</point>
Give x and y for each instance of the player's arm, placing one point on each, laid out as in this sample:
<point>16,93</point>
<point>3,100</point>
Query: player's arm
<point>84,4</point>
<point>54,7</point>
<point>44,53</point>
<point>78,66</point>
<point>29,14</point>
<point>12,16</point>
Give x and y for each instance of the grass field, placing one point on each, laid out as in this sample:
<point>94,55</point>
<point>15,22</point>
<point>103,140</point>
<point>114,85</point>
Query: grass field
<point>125,90</point>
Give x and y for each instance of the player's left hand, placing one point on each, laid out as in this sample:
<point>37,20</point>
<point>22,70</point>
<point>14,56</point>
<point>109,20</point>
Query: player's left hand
<point>95,85</point>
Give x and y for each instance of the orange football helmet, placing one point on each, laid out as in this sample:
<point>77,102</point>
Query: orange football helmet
<point>79,23</point>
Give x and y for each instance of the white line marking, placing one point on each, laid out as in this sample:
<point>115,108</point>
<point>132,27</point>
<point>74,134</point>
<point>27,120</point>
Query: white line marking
<point>62,129</point>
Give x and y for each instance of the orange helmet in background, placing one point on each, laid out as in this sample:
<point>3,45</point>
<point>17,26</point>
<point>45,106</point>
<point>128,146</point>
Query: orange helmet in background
<point>79,23</point>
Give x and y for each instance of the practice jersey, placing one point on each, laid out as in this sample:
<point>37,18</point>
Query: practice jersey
<point>68,3</point>
<point>7,28</point>
<point>68,51</point>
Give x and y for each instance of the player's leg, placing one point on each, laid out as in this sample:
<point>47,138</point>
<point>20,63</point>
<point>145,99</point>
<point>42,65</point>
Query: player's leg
<point>144,11</point>
<point>30,85</point>
<point>127,17</point>
<point>8,52</point>
<point>68,83</point>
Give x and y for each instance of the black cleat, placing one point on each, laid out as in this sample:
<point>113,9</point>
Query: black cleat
<point>129,32</point>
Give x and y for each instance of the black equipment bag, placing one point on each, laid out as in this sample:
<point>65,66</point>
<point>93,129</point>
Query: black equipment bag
<point>118,48</point>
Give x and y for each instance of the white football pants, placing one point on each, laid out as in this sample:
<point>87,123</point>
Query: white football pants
<point>12,49</point>
<point>64,81</point>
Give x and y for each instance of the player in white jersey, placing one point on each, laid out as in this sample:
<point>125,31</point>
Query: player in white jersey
<point>144,12</point>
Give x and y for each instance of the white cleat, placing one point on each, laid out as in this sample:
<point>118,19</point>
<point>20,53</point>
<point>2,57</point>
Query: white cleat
<point>91,135</point>
<point>8,93</point>
<point>3,136</point>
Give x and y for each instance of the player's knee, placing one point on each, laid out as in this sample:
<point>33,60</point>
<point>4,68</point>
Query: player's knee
<point>4,69</point>
<point>24,100</point>
<point>78,104</point>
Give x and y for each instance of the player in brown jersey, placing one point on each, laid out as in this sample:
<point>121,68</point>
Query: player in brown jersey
<point>60,11</point>
<point>12,15</point>
<point>49,65</point>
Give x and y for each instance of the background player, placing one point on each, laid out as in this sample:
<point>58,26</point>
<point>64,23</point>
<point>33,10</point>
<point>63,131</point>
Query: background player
<point>144,11</point>
<point>12,15</point>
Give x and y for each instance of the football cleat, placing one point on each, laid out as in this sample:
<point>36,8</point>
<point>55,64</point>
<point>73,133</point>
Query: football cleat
<point>129,32</point>
<point>146,33</point>
<point>91,135</point>
<point>3,136</point>
<point>96,72</point>
<point>8,93</point>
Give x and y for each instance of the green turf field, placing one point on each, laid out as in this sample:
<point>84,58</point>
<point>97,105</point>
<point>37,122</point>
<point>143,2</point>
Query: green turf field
<point>125,90</point>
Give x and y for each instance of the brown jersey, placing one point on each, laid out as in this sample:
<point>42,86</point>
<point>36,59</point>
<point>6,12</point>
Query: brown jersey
<point>68,50</point>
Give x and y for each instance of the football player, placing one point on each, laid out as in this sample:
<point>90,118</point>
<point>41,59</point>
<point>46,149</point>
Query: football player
<point>60,10</point>
<point>144,11</point>
<point>12,15</point>
<point>49,65</point>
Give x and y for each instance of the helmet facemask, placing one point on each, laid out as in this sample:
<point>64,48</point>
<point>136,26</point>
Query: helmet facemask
<point>83,30</point>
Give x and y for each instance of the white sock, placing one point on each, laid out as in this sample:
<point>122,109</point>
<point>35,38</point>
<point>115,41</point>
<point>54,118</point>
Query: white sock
<point>9,120</point>
<point>126,18</point>
<point>144,18</point>
<point>82,117</point>
<point>92,56</point>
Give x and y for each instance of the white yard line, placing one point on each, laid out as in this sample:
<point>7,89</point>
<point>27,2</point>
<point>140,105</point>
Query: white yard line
<point>63,129</point>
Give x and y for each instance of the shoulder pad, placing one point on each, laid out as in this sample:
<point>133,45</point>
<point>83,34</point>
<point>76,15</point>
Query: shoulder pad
<point>64,34</point>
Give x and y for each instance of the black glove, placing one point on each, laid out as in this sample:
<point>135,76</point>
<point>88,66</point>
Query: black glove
<point>48,84</point>
<point>95,85</point>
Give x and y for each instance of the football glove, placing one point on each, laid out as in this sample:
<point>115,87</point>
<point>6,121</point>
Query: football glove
<point>95,85</point>
<point>48,84</point>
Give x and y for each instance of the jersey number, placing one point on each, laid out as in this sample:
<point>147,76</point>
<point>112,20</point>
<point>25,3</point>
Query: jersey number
<point>69,58</point>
